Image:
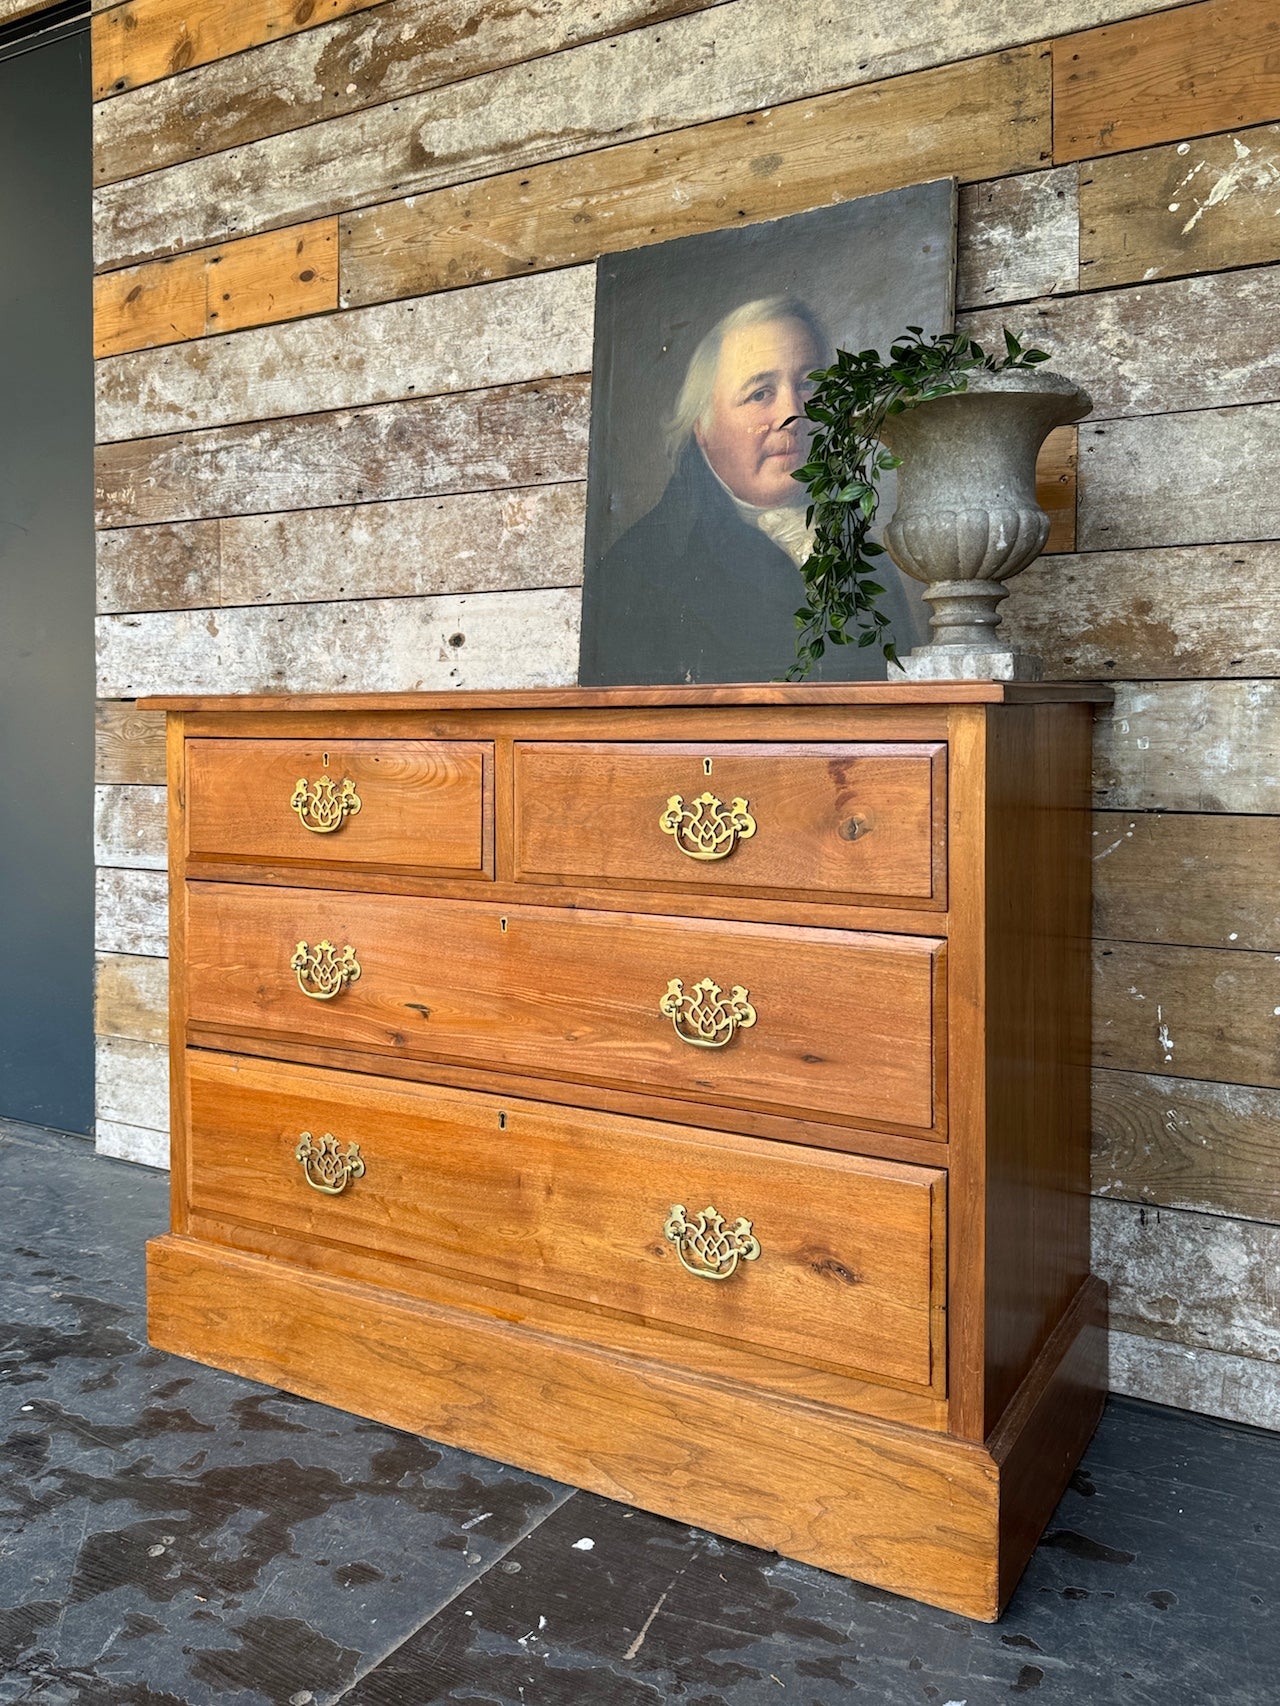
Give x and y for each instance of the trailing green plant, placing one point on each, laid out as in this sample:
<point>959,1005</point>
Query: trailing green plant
<point>852,400</point>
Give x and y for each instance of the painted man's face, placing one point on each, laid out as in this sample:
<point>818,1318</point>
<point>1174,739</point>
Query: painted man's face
<point>761,381</point>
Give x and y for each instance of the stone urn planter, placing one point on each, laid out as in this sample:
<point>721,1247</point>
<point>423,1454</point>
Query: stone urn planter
<point>967,518</point>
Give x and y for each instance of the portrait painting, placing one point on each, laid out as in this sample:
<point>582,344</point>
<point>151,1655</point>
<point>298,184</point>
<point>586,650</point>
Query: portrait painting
<point>704,348</point>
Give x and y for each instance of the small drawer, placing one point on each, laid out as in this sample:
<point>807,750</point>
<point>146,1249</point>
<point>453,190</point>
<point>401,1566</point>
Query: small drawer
<point>855,822</point>
<point>831,1260</point>
<point>829,1024</point>
<point>420,805</point>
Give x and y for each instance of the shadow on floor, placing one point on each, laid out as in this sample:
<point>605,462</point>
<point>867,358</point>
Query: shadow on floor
<point>171,1536</point>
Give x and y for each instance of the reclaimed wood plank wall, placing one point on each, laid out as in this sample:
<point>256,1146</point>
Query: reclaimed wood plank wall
<point>344,300</point>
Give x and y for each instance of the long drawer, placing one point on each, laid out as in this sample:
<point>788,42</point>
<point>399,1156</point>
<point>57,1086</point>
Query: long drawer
<point>840,821</point>
<point>826,1023</point>
<point>420,805</point>
<point>826,1259</point>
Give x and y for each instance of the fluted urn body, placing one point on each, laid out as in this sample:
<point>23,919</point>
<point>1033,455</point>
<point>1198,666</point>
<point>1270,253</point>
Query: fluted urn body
<point>967,518</point>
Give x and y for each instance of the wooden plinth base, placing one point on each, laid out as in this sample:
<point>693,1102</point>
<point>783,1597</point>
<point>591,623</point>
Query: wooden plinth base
<point>934,1518</point>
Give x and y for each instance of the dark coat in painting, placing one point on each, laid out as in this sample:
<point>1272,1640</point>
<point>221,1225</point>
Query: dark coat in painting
<point>692,593</point>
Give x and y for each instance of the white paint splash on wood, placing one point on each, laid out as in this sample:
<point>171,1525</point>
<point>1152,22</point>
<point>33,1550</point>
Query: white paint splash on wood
<point>1249,170</point>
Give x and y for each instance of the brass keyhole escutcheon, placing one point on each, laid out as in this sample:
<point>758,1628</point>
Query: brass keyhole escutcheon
<point>707,1248</point>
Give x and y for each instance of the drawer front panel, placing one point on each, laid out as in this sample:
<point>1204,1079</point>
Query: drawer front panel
<point>833,1024</point>
<point>418,804</point>
<point>840,1266</point>
<point>854,821</point>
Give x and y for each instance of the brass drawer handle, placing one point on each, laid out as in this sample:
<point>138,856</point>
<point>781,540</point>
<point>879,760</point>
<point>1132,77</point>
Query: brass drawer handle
<point>701,1017</point>
<point>324,805</point>
<point>716,1249</point>
<point>324,971</point>
<point>325,1169</point>
<point>704,829</point>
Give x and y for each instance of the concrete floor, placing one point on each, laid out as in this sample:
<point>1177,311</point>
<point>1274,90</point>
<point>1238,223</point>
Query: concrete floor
<point>171,1536</point>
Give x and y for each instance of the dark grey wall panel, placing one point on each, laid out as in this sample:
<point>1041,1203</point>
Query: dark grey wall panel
<point>46,586</point>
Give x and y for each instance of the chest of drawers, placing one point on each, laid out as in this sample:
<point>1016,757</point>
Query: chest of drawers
<point>682,1093</point>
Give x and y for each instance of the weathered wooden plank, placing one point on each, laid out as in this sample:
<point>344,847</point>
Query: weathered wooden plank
<point>133,1082</point>
<point>129,744</point>
<point>145,39</point>
<point>1190,746</point>
<point>400,49</point>
<point>498,334</point>
<point>1018,238</point>
<point>1202,881</point>
<point>496,639</point>
<point>1241,1389</point>
<point>473,542</point>
<point>159,568</point>
<point>282,275</point>
<point>1190,1279</point>
<point>132,1143</point>
<point>477,542</point>
<point>521,435</point>
<point>1177,1143</point>
<point>131,997</point>
<point>731,59</point>
<point>1197,1012</point>
<point>1205,610</point>
<point>1186,479</point>
<point>974,120</point>
<point>1185,72</point>
<point>129,827</point>
<point>131,912</point>
<point>1056,489</point>
<point>1188,343</point>
<point>1188,207</point>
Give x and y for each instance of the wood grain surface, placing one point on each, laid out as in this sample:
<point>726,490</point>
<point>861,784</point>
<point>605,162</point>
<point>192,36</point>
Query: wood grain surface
<point>143,40</point>
<point>520,639</point>
<point>412,548</point>
<point>834,821</point>
<point>422,804</point>
<point>131,997</point>
<point>514,436</point>
<point>1181,72</point>
<point>504,334</point>
<point>282,275</point>
<point>1241,1389</point>
<point>132,1082</point>
<point>1183,1143</point>
<point>1187,1012</point>
<point>131,912</point>
<point>575,995</point>
<point>398,48</point>
<point>1150,615</point>
<point>1157,349</point>
<point>1183,479</point>
<point>1186,207</point>
<point>1202,880</point>
<point>850,1258</point>
<point>729,60</point>
<point>128,744</point>
<point>1193,1279</point>
<point>1018,237</point>
<point>973,120</point>
<point>129,827</point>
<point>1190,746</point>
